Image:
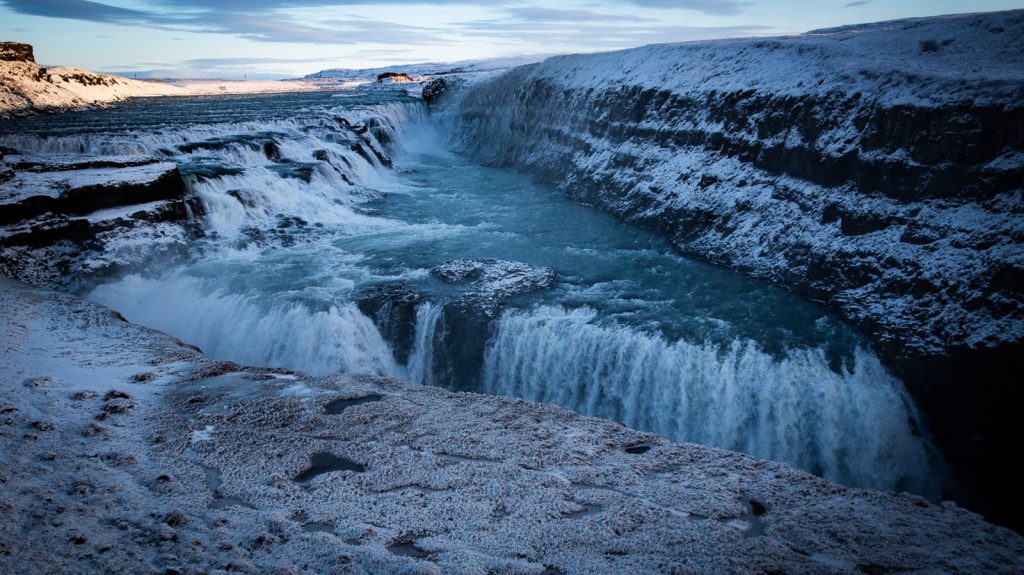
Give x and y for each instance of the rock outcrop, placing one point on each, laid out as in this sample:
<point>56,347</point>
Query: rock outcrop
<point>493,282</point>
<point>16,52</point>
<point>64,217</point>
<point>434,91</point>
<point>877,168</point>
<point>460,318</point>
<point>124,450</point>
<point>394,77</point>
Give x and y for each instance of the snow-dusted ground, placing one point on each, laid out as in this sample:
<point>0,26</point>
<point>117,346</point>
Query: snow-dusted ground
<point>124,450</point>
<point>219,87</point>
<point>26,87</point>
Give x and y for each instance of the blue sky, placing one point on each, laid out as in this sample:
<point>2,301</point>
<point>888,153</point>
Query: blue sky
<point>289,38</point>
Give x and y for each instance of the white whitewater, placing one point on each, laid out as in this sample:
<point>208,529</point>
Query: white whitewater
<point>253,329</point>
<point>857,427</point>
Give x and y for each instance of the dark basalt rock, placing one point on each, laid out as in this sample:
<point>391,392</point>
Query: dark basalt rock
<point>208,171</point>
<point>272,151</point>
<point>50,223</point>
<point>466,322</point>
<point>86,199</point>
<point>16,52</point>
<point>435,90</point>
<point>484,288</point>
<point>392,307</point>
<point>394,77</point>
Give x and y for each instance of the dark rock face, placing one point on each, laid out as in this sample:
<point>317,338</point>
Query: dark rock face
<point>905,214</point>
<point>463,323</point>
<point>435,90</point>
<point>394,77</point>
<point>60,215</point>
<point>392,307</point>
<point>16,52</point>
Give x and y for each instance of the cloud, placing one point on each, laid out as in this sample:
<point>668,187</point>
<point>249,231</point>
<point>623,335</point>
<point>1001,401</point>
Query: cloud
<point>712,7</point>
<point>570,29</point>
<point>264,27</point>
<point>228,68</point>
<point>536,14</point>
<point>269,21</point>
<point>717,7</point>
<point>857,3</point>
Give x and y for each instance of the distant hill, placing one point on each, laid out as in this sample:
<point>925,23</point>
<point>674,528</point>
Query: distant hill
<point>26,87</point>
<point>419,72</point>
<point>29,88</point>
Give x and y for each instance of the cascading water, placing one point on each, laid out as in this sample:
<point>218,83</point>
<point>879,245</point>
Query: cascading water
<point>304,220</point>
<point>854,425</point>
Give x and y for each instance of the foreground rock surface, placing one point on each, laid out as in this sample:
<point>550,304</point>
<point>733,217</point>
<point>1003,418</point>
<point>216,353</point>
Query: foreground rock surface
<point>124,450</point>
<point>877,168</point>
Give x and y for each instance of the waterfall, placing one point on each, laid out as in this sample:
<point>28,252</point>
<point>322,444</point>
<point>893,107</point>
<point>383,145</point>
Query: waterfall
<point>421,359</point>
<point>857,427</point>
<point>300,181</point>
<point>253,328</point>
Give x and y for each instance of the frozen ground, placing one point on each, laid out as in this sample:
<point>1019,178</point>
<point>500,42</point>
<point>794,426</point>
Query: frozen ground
<point>124,450</point>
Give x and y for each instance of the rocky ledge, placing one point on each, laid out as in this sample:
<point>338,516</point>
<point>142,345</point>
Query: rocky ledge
<point>124,450</point>
<point>68,216</point>
<point>876,168</point>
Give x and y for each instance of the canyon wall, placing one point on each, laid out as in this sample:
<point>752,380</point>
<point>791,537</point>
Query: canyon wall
<point>876,168</point>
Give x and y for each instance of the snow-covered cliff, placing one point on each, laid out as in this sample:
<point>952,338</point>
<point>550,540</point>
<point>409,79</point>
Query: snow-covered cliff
<point>27,87</point>
<point>878,168</point>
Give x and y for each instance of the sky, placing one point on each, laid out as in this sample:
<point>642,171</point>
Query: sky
<point>260,39</point>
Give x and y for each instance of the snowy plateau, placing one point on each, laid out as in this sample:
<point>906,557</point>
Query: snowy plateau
<point>877,169</point>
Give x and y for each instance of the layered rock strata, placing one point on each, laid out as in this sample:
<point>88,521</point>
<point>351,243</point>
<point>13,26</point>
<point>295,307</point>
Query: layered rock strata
<point>66,216</point>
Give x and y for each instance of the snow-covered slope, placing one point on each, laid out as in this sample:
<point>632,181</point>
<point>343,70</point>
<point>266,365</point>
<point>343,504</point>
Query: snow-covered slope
<point>469,68</point>
<point>124,450</point>
<point>876,167</point>
<point>26,87</point>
